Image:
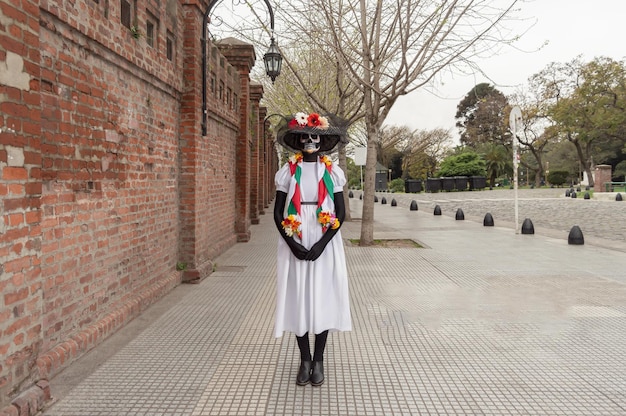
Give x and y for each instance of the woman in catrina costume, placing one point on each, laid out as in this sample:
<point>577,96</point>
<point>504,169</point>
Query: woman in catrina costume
<point>312,283</point>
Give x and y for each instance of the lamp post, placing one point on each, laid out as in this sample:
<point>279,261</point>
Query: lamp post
<point>515,122</point>
<point>272,58</point>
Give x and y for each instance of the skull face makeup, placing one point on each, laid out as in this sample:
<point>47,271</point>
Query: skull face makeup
<point>311,134</point>
<point>310,144</point>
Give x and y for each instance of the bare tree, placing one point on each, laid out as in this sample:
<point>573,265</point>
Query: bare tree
<point>313,80</point>
<point>424,151</point>
<point>536,131</point>
<point>386,49</point>
<point>391,48</point>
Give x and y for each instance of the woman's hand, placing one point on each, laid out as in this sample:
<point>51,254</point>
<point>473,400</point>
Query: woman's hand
<point>296,248</point>
<point>316,251</point>
<point>318,248</point>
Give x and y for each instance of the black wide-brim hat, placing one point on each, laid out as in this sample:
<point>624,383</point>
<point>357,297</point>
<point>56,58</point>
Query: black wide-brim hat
<point>331,129</point>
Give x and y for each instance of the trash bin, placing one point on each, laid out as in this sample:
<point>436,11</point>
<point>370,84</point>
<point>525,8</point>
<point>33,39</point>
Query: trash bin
<point>477,182</point>
<point>412,186</point>
<point>448,184</point>
<point>460,183</point>
<point>433,184</point>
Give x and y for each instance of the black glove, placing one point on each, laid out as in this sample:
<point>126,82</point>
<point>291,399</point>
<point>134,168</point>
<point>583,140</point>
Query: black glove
<point>297,249</point>
<point>316,251</point>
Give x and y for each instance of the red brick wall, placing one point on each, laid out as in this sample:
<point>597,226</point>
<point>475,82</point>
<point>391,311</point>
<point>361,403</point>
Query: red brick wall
<point>256,93</point>
<point>242,57</point>
<point>106,180</point>
<point>208,167</point>
<point>20,189</point>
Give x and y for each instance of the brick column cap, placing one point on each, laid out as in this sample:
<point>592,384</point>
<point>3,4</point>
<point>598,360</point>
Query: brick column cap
<point>238,53</point>
<point>256,91</point>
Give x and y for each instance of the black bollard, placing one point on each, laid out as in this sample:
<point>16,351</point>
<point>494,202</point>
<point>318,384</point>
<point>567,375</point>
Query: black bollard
<point>350,194</point>
<point>459,214</point>
<point>587,196</point>
<point>361,196</point>
<point>567,192</point>
<point>574,195</point>
<point>527,227</point>
<point>437,210</point>
<point>375,198</point>
<point>578,189</point>
<point>576,236</point>
<point>393,202</point>
<point>413,206</point>
<point>488,220</point>
<point>618,197</point>
<point>383,201</point>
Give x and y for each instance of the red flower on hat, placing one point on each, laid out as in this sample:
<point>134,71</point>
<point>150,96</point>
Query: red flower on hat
<point>313,120</point>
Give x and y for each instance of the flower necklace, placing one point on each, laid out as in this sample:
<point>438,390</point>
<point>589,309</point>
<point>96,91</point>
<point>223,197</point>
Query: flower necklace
<point>292,223</point>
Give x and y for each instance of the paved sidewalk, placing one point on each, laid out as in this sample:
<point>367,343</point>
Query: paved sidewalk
<point>481,321</point>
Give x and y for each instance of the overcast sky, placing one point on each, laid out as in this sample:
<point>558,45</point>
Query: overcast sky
<point>589,28</point>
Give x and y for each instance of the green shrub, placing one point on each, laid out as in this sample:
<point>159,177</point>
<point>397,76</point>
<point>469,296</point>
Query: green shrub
<point>396,185</point>
<point>463,164</point>
<point>558,177</point>
<point>354,183</point>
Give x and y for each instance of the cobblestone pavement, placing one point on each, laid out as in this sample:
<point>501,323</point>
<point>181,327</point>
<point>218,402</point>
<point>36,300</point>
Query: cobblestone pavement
<point>603,222</point>
<point>481,321</point>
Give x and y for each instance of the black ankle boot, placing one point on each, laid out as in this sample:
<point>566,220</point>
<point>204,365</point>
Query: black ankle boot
<point>317,374</point>
<point>304,373</point>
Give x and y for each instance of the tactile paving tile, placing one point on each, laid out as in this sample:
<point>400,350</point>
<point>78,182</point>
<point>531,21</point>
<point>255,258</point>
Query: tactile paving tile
<point>436,331</point>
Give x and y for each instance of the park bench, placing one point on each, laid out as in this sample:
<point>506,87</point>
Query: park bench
<point>614,186</point>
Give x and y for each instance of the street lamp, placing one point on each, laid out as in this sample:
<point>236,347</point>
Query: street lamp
<point>272,59</point>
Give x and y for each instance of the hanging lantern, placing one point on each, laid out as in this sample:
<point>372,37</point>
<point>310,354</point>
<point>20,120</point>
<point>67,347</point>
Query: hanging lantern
<point>273,61</point>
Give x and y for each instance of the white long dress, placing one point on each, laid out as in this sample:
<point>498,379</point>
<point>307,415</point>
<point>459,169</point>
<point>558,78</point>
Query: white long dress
<point>311,296</point>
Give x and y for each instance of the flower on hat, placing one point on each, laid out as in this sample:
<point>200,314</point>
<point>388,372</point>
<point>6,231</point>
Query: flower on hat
<point>313,120</point>
<point>301,119</point>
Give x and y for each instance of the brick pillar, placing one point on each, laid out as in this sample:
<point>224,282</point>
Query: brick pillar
<point>20,198</point>
<point>241,55</point>
<point>190,144</point>
<point>272,166</point>
<point>601,175</point>
<point>262,160</point>
<point>256,93</point>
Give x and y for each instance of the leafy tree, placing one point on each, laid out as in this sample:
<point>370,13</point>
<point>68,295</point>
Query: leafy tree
<point>558,177</point>
<point>396,166</point>
<point>481,116</point>
<point>353,174</point>
<point>498,161</point>
<point>536,131</point>
<point>588,106</point>
<point>619,174</point>
<point>561,156</point>
<point>466,163</point>
<point>423,152</point>
<point>420,166</point>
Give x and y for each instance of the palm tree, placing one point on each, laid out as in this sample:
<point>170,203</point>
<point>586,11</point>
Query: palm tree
<point>498,160</point>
